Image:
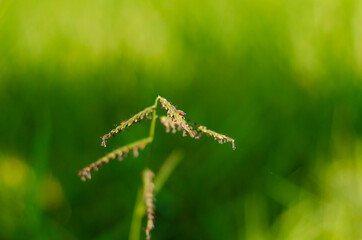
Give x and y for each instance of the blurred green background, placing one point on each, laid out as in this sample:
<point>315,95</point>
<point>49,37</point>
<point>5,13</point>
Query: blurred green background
<point>281,77</point>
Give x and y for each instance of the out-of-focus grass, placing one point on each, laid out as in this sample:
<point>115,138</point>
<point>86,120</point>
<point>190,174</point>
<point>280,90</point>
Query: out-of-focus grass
<point>281,77</point>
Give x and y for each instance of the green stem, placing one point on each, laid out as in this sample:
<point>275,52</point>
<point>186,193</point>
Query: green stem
<point>152,132</point>
<point>139,209</point>
<point>154,116</point>
<point>138,212</point>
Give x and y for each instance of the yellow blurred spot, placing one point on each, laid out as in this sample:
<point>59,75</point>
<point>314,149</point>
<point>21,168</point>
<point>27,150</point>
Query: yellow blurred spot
<point>49,194</point>
<point>12,172</point>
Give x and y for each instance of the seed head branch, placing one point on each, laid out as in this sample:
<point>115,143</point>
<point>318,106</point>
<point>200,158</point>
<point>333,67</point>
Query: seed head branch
<point>127,123</point>
<point>221,138</point>
<point>177,116</point>
<point>119,153</point>
<point>217,136</point>
<point>148,197</point>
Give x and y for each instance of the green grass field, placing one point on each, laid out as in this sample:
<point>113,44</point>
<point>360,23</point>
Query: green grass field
<point>283,78</point>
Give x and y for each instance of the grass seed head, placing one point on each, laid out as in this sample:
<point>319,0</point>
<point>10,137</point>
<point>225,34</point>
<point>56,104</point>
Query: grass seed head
<point>174,120</point>
<point>148,198</point>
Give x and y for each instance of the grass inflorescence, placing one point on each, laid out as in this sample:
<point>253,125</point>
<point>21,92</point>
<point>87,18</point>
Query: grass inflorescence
<point>175,120</point>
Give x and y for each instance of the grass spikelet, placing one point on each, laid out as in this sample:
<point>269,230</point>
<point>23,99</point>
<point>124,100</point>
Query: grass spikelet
<point>118,153</point>
<point>177,116</point>
<point>148,198</point>
<point>145,114</point>
<point>169,124</point>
